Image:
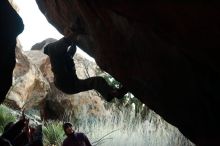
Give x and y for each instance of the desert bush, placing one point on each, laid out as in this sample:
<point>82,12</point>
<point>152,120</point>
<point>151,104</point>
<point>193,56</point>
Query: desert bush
<point>5,117</point>
<point>124,126</point>
<point>53,133</point>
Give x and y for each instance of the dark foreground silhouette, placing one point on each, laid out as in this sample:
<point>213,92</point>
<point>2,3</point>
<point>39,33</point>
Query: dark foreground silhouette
<point>21,134</point>
<point>11,26</point>
<point>61,53</point>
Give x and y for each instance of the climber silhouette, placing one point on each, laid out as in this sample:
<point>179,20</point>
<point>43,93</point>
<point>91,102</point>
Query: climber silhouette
<point>61,53</point>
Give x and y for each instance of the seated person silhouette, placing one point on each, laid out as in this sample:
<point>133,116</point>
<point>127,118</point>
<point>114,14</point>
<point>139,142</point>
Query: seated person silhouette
<point>16,133</point>
<point>4,142</point>
<point>61,53</point>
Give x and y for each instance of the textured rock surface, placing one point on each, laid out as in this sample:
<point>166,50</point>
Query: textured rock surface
<point>42,62</point>
<point>41,45</point>
<point>166,54</point>
<point>29,85</point>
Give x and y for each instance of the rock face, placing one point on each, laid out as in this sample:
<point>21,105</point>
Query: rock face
<point>41,45</point>
<point>33,87</point>
<point>29,85</point>
<point>164,53</point>
<point>42,62</point>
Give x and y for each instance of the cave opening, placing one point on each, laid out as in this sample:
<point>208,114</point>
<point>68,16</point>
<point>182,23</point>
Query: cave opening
<point>36,26</point>
<point>152,133</point>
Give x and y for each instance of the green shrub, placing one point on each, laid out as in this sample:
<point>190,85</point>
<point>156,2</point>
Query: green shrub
<point>5,117</point>
<point>53,133</point>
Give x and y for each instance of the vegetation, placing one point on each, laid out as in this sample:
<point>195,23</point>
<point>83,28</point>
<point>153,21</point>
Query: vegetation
<point>126,122</point>
<point>126,127</point>
<point>53,133</point>
<point>117,128</point>
<point>5,117</point>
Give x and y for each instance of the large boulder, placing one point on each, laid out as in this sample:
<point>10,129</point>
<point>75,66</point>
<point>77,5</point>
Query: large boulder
<point>29,85</point>
<point>41,45</point>
<point>42,62</point>
<point>164,53</point>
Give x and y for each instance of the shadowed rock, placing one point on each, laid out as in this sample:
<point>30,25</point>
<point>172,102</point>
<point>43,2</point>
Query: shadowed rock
<point>164,53</point>
<point>11,26</point>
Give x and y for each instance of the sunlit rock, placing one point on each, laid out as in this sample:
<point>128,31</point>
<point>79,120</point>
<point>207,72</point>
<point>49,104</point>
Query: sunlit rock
<point>42,62</point>
<point>29,86</point>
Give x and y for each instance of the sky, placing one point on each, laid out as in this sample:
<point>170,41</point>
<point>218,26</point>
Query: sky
<point>36,26</point>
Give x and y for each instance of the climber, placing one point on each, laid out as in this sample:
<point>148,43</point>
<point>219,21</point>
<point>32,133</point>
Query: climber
<point>74,138</point>
<point>61,53</point>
